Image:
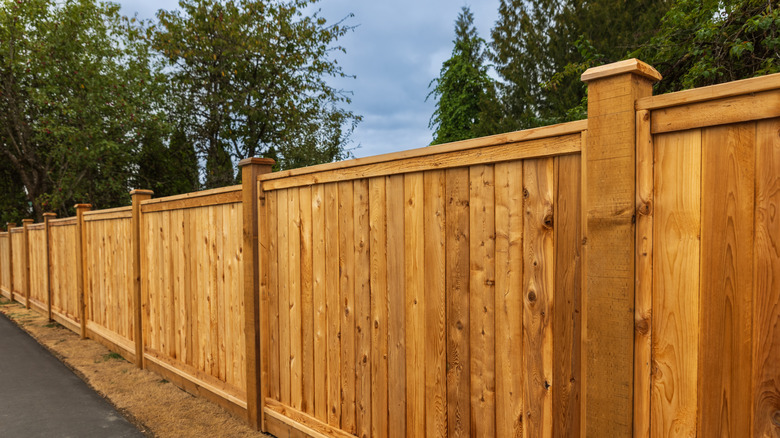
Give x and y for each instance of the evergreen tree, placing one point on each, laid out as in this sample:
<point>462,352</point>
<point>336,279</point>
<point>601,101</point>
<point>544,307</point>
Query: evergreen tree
<point>167,169</point>
<point>463,87</point>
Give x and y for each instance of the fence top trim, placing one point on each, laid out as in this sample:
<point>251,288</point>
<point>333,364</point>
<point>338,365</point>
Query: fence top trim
<point>107,211</point>
<point>493,140</point>
<point>202,193</point>
<point>712,92</point>
<point>17,230</point>
<point>38,226</point>
<point>63,221</point>
<point>632,65</point>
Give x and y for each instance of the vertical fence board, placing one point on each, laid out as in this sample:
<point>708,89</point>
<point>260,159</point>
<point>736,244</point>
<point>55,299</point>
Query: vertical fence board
<point>347,291</point>
<point>728,176</point>
<point>457,291</point>
<point>509,299</point>
<point>396,311</point>
<point>332,263</point>
<point>284,299</point>
<point>435,277</point>
<point>293,263</point>
<point>482,302</point>
<point>415,304</point>
<point>362,310</point>
<point>379,301</point>
<point>274,353</point>
<point>307,303</point>
<point>676,280</point>
<point>766,282</point>
<point>320,304</point>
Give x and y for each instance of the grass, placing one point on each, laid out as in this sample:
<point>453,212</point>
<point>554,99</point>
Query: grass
<point>110,356</point>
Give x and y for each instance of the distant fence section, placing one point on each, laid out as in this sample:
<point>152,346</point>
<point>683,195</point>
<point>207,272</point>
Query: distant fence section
<point>617,276</point>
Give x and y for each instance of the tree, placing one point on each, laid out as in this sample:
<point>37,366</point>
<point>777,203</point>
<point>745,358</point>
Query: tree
<point>462,87</point>
<point>168,169</point>
<point>708,42</point>
<point>77,91</point>
<point>251,77</point>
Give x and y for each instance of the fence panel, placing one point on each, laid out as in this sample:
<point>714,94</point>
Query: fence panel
<point>193,291</point>
<point>5,265</point>
<point>108,283</point>
<point>17,248</point>
<point>38,266</point>
<point>716,269</point>
<point>63,272</point>
<point>427,303</point>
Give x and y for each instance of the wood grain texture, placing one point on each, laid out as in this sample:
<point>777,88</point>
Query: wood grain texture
<point>676,294</point>
<point>566,322</point>
<point>726,308</point>
<point>362,310</point>
<point>396,312</point>
<point>538,301</point>
<point>435,280</point>
<point>320,304</point>
<point>307,301</point>
<point>333,303</point>
<point>285,353</point>
<point>457,234</point>
<point>293,265</point>
<point>482,299</point>
<point>414,258</point>
<point>766,283</point>
<point>509,299</point>
<point>274,353</point>
<point>347,303</point>
<point>379,303</point>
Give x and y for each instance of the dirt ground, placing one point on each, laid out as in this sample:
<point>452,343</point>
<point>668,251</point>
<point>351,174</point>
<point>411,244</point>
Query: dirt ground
<point>156,406</point>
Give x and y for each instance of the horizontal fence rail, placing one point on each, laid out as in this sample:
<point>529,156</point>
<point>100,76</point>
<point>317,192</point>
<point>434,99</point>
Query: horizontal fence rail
<point>616,276</point>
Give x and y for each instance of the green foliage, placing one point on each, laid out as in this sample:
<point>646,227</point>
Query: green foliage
<point>708,42</point>
<point>463,87</point>
<point>169,169</point>
<point>77,92</point>
<point>250,78</point>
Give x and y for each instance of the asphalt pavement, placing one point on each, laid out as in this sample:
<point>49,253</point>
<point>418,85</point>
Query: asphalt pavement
<point>41,397</point>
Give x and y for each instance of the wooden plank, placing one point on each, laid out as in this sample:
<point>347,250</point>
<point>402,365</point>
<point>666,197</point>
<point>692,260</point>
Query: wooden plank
<point>111,214</point>
<point>347,303</point>
<point>482,312</point>
<point>293,262</point>
<point>643,297</point>
<point>546,147</point>
<point>730,89</point>
<point>633,66</point>
<point>763,105</point>
<point>726,309</point>
<point>320,304</point>
<point>766,283</point>
<point>81,255</point>
<point>566,299</point>
<point>200,194</point>
<point>303,422</point>
<point>509,299</point>
<point>458,305</point>
<point>539,302</point>
<point>307,303</point>
<point>333,303</point>
<point>362,310</point>
<point>159,204</point>
<point>414,258</point>
<point>284,297</point>
<point>396,310</point>
<point>499,139</point>
<point>137,254</point>
<point>435,280</point>
<point>274,354</point>
<point>676,250</point>
<point>379,301</point>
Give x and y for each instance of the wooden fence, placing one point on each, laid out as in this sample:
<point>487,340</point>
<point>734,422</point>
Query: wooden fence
<point>617,276</point>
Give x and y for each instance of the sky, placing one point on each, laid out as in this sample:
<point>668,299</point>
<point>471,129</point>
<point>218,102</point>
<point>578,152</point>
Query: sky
<point>395,51</point>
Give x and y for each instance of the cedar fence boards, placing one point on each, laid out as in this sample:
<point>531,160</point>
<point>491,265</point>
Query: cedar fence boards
<point>617,276</point>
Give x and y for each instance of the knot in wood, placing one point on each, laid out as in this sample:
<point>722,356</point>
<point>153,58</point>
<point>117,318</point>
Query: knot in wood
<point>548,221</point>
<point>525,193</point>
<point>531,296</point>
<point>776,418</point>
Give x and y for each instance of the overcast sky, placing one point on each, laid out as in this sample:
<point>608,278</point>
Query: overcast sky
<point>395,51</point>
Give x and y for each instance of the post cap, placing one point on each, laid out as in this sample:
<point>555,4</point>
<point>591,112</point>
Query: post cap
<point>50,214</point>
<point>27,221</point>
<point>255,160</point>
<point>77,206</point>
<point>632,65</point>
<point>141,192</point>
<point>10,224</point>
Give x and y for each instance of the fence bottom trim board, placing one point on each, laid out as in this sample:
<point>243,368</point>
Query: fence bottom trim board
<point>111,340</point>
<point>38,306</point>
<point>6,293</point>
<point>19,298</point>
<point>69,323</point>
<point>192,384</point>
<point>300,421</point>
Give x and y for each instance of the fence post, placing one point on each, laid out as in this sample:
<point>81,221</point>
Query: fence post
<point>138,196</point>
<point>26,258</point>
<point>250,169</point>
<point>46,218</point>
<point>8,227</point>
<point>609,199</point>
<point>81,274</point>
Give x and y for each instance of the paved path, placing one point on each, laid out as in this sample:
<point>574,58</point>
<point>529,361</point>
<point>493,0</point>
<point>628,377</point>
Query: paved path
<point>41,397</point>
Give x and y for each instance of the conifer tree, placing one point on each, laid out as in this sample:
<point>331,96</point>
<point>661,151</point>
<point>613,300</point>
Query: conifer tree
<point>463,87</point>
